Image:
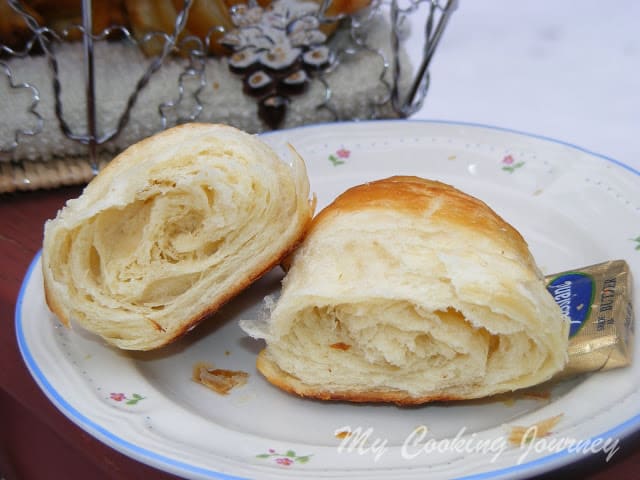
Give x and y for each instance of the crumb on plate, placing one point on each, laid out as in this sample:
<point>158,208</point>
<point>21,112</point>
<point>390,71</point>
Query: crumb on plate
<point>219,380</point>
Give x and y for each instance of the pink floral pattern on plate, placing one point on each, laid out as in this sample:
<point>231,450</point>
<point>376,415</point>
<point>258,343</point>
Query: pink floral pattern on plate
<point>510,165</point>
<point>121,397</point>
<point>284,459</point>
<point>339,157</point>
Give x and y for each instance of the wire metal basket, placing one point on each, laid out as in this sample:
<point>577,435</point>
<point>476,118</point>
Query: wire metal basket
<point>68,106</point>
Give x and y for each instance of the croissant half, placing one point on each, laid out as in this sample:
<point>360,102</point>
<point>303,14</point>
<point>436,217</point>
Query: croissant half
<point>407,290</point>
<point>171,229</point>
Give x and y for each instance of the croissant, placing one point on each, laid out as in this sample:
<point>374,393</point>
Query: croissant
<point>14,30</point>
<point>408,290</point>
<point>66,15</point>
<point>171,229</point>
<point>207,19</point>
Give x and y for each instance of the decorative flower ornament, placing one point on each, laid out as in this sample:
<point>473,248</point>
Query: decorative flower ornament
<point>276,50</point>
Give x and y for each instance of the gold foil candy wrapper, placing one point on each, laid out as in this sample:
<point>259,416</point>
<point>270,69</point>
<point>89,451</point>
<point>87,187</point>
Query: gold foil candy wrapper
<point>598,301</point>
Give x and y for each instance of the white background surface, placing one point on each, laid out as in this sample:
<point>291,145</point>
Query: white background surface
<point>566,69</point>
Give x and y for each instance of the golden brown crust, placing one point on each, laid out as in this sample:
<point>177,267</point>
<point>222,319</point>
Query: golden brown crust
<point>151,16</point>
<point>14,31</point>
<point>345,7</point>
<point>290,384</point>
<point>205,19</point>
<point>54,306</point>
<point>231,3</point>
<point>418,196</point>
<point>63,15</point>
<point>144,16</point>
<point>239,287</point>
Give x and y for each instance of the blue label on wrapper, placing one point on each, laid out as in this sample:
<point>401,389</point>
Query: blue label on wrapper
<point>573,292</point>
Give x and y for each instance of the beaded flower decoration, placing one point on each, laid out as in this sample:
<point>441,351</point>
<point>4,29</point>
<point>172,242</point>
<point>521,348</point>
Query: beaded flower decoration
<point>276,50</point>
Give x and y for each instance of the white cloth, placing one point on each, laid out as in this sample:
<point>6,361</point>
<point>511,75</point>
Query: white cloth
<point>355,87</point>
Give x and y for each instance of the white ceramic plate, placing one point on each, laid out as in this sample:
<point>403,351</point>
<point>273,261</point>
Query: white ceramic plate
<point>575,208</point>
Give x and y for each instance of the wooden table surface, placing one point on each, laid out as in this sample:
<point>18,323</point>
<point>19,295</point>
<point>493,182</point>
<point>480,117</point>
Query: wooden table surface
<point>36,439</point>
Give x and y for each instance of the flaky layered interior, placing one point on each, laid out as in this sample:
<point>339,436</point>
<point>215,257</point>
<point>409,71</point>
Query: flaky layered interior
<point>171,231</point>
<point>384,305</point>
<point>398,346</point>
